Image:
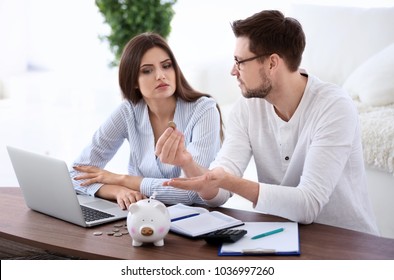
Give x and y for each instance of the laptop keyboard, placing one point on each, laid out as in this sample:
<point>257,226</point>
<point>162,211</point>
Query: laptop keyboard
<point>91,214</point>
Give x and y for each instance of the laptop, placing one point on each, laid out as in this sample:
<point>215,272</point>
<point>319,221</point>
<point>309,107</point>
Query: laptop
<point>47,188</point>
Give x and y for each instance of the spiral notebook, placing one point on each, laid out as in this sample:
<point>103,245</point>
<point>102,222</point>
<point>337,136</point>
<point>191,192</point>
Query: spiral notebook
<point>284,242</point>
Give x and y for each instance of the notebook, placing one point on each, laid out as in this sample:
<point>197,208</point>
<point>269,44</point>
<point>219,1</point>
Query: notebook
<point>47,188</point>
<point>181,211</point>
<point>201,222</point>
<point>280,242</point>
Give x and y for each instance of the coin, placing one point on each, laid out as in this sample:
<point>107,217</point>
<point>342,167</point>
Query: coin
<point>110,233</point>
<point>172,124</point>
<point>97,233</point>
<point>117,234</point>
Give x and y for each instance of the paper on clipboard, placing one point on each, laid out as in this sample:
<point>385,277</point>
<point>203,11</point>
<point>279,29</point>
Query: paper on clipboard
<point>282,243</point>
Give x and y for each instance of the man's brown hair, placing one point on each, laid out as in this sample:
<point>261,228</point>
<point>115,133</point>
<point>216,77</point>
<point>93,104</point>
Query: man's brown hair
<point>271,32</point>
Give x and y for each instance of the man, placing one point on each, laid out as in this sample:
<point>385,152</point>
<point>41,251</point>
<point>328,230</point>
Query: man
<point>303,134</point>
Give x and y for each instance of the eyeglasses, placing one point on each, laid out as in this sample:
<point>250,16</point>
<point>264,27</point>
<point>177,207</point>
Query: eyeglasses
<point>239,62</point>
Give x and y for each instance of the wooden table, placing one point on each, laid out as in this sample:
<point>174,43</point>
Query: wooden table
<point>317,241</point>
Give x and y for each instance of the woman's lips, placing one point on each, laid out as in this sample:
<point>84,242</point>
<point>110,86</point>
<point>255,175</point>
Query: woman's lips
<point>162,85</point>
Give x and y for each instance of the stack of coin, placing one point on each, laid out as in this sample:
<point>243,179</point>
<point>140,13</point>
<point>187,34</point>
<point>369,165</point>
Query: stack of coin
<point>117,231</point>
<point>172,124</point>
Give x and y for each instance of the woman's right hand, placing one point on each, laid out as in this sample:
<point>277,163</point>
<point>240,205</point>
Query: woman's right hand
<point>123,196</point>
<point>170,148</point>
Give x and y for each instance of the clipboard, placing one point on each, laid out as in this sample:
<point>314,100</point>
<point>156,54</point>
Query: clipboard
<point>282,243</point>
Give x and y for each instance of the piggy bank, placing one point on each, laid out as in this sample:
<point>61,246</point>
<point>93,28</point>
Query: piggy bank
<point>148,221</point>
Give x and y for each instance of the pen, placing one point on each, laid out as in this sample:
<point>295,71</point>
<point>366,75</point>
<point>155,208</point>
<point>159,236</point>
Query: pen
<point>184,217</point>
<point>268,233</point>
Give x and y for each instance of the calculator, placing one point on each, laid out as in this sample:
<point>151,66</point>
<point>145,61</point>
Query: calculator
<point>224,236</point>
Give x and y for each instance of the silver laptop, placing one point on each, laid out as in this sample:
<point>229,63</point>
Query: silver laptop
<point>47,188</point>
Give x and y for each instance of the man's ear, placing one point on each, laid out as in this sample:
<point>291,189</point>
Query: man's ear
<point>273,61</point>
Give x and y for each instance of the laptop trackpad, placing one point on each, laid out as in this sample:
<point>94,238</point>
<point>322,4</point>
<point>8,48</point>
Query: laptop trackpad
<point>100,204</point>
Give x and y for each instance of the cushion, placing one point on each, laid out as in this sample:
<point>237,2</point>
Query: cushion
<point>373,80</point>
<point>339,39</point>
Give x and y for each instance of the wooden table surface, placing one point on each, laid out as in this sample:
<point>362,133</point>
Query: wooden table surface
<point>19,223</point>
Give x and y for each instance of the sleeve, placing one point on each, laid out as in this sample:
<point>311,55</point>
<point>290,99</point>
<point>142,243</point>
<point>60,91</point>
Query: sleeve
<point>221,198</point>
<point>105,143</point>
<point>236,152</point>
<point>204,139</point>
<point>167,194</point>
<point>329,151</point>
<point>203,142</point>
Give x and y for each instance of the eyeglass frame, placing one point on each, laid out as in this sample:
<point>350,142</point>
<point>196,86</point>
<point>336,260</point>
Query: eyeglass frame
<point>239,62</point>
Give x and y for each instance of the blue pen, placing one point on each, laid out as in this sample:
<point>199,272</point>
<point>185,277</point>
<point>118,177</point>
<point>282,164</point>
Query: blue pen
<point>268,233</point>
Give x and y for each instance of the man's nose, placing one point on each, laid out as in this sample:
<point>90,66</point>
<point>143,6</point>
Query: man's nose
<point>234,70</point>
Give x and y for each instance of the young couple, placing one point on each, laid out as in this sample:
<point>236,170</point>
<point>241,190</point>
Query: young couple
<point>302,132</point>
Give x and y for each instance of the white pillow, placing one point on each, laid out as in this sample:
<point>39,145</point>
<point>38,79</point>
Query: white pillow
<point>373,81</point>
<point>339,39</point>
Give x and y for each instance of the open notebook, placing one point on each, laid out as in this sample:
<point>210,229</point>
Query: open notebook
<point>196,221</point>
<point>181,211</point>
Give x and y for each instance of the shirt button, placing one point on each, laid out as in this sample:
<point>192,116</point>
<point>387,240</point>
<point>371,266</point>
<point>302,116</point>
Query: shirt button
<point>287,158</point>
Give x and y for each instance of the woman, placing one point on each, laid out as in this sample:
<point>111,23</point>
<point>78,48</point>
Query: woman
<point>155,93</point>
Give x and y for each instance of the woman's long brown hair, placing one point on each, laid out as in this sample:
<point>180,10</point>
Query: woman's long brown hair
<point>129,71</point>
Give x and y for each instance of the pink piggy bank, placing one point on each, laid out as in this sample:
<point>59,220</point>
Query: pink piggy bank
<point>148,221</point>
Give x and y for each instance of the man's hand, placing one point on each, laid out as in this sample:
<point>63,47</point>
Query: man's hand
<point>206,185</point>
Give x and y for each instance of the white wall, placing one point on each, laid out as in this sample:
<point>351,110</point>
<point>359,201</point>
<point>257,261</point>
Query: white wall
<point>55,111</point>
<point>51,35</point>
<point>13,32</point>
<point>58,35</point>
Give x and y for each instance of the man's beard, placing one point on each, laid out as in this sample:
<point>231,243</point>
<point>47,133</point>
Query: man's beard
<point>262,91</point>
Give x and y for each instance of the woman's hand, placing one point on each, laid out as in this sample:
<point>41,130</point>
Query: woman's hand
<point>122,188</point>
<point>92,175</point>
<point>123,196</point>
<point>170,148</point>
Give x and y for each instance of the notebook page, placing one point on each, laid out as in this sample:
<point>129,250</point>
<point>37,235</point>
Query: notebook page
<point>180,210</point>
<point>204,223</point>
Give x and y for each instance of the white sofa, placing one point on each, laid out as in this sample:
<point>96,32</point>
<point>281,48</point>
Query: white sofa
<point>354,48</point>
